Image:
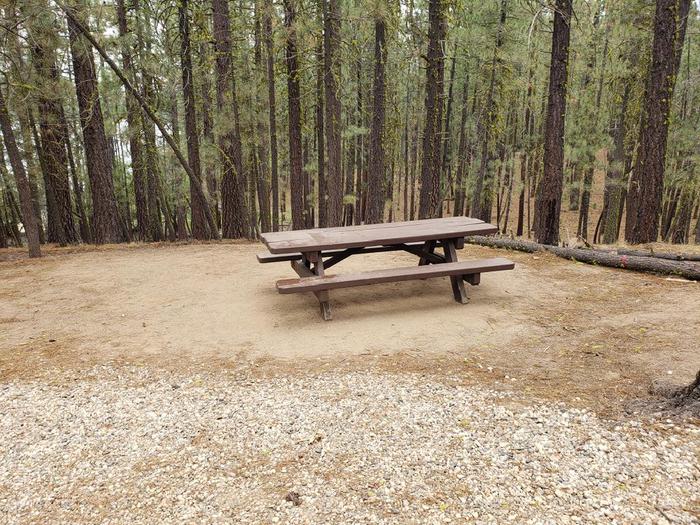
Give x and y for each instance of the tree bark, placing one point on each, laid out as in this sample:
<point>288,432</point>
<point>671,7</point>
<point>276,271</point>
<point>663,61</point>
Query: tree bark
<point>331,69</point>
<point>83,221</point>
<point>156,201</point>
<point>462,153</point>
<point>151,114</point>
<point>687,270</point>
<point>377,174</point>
<point>647,181</point>
<point>263,178</point>
<point>615,179</point>
<point>319,126</point>
<point>430,204</point>
<point>42,36</point>
<point>446,164</point>
<point>138,166</point>
<point>198,203</point>
<point>233,209</point>
<point>272,105</point>
<point>106,222</point>
<point>548,199</point>
<point>296,176</point>
<point>482,199</point>
<point>31,226</point>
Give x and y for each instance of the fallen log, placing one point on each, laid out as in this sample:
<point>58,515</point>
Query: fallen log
<point>660,255</point>
<point>685,269</point>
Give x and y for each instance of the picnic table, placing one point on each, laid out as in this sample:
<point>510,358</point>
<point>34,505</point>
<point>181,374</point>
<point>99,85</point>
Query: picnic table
<point>312,252</point>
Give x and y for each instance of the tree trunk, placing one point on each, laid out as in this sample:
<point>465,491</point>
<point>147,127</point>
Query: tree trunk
<point>296,176</point>
<point>615,180</point>
<point>31,226</point>
<point>430,205</point>
<point>209,163</point>
<point>687,270</point>
<point>156,201</point>
<point>349,152</point>
<point>106,222</point>
<point>272,105</point>
<point>377,174</point>
<point>446,163</point>
<point>263,179</point>
<point>320,132</point>
<point>574,186</point>
<point>84,223</point>
<point>361,155</point>
<point>233,209</point>
<point>331,69</point>
<point>582,230</point>
<point>61,228</point>
<point>152,115</point>
<point>679,231</point>
<point>482,199</point>
<point>138,166</point>
<point>13,216</point>
<point>548,198</point>
<point>647,181</point>
<point>462,153</point>
<point>198,203</point>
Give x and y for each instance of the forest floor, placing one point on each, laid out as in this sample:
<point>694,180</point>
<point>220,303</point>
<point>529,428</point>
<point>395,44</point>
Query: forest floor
<point>174,381</point>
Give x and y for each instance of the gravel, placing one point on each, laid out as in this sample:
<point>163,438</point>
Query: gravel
<point>140,445</point>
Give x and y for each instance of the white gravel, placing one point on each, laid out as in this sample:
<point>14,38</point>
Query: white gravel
<point>137,445</point>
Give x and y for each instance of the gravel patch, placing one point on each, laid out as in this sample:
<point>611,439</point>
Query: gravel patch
<point>137,445</point>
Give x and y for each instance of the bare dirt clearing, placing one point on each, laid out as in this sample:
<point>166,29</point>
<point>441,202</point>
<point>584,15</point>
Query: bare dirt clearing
<point>174,384</point>
<point>563,329</point>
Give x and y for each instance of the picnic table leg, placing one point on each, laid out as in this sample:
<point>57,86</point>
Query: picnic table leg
<point>460,294</point>
<point>428,247</point>
<point>322,296</point>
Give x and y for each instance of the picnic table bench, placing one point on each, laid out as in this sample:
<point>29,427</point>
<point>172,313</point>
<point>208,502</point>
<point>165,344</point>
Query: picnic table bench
<point>312,252</point>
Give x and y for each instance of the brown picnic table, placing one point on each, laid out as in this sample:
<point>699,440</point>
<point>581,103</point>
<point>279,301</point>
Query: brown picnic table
<point>312,252</point>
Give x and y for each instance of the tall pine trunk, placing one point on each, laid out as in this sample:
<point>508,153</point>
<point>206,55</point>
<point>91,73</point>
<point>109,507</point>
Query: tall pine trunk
<point>377,174</point>
<point>29,219</point>
<point>263,178</point>
<point>462,153</point>
<point>200,229</point>
<point>106,223</point>
<point>647,181</point>
<point>549,190</point>
<point>272,108</point>
<point>40,26</point>
<point>320,133</point>
<point>482,199</point>
<point>296,175</point>
<point>234,224</point>
<point>430,204</point>
<point>331,69</point>
<point>138,166</point>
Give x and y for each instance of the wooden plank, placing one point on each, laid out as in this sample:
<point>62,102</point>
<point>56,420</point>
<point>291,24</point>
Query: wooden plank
<point>311,284</point>
<point>302,270</point>
<point>267,257</point>
<point>374,235</point>
<point>427,254</point>
<point>322,295</point>
<point>474,279</point>
<point>458,291</point>
<point>298,234</point>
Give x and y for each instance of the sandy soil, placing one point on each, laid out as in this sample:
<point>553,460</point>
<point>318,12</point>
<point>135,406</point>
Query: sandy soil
<point>557,329</point>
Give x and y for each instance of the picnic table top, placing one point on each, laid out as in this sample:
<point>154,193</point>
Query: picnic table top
<point>320,239</point>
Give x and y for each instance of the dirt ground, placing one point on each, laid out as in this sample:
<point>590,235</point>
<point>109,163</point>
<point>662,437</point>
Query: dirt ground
<point>551,328</point>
